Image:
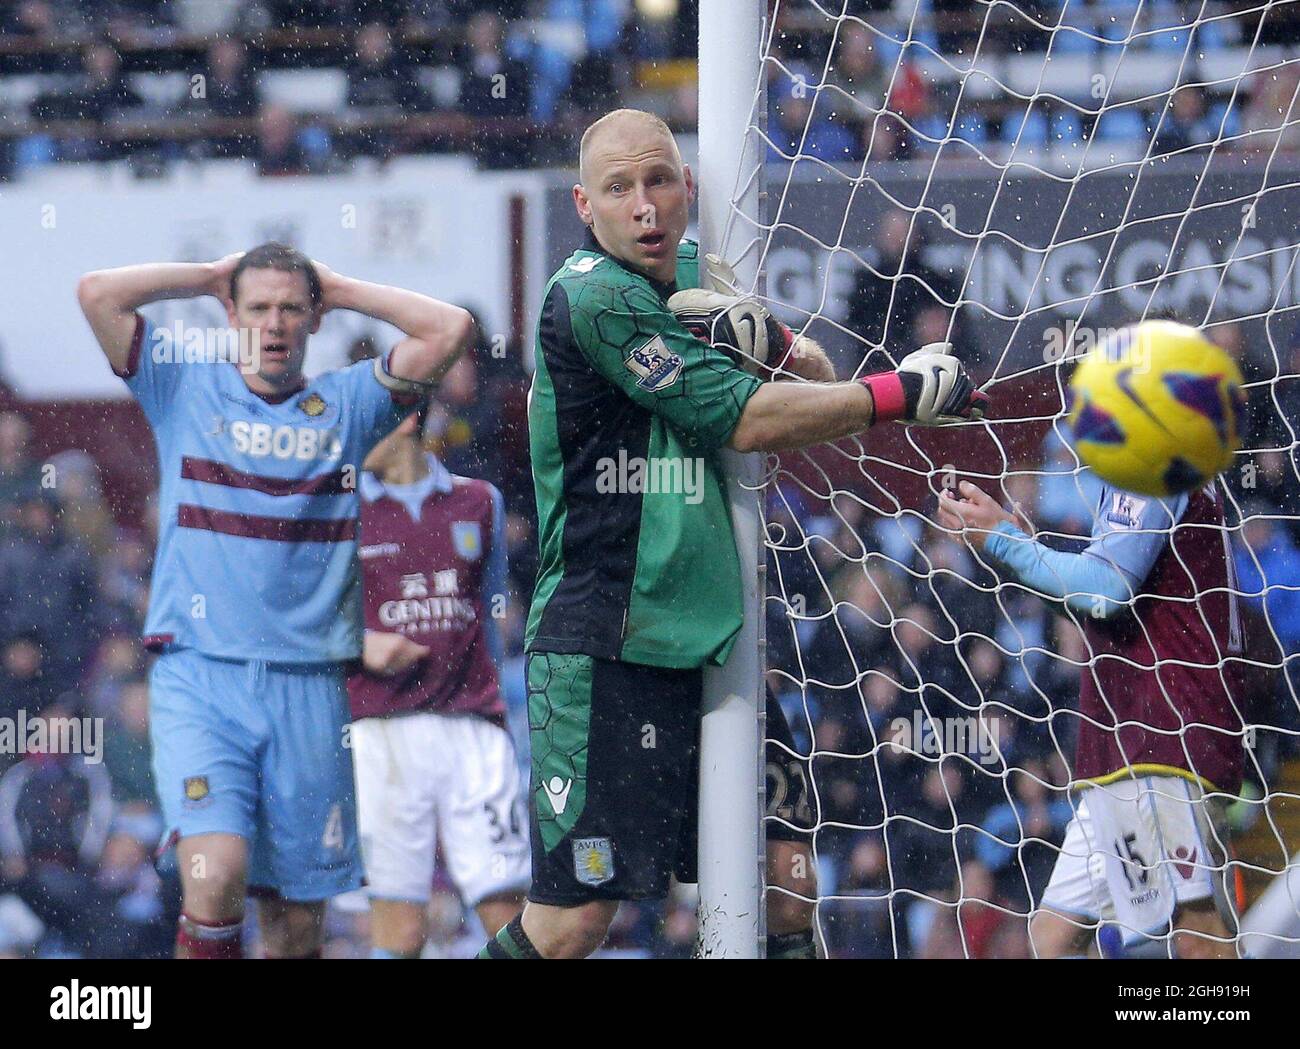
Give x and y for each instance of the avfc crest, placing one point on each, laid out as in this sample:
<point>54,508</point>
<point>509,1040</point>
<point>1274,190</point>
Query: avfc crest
<point>467,538</point>
<point>312,405</point>
<point>593,860</point>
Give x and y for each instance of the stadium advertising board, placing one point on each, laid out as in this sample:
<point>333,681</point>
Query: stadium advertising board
<point>1040,251</point>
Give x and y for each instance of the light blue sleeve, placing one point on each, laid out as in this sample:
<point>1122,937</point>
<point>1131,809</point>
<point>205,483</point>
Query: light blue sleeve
<point>494,582</point>
<point>155,369</point>
<point>1128,536</point>
<point>376,412</point>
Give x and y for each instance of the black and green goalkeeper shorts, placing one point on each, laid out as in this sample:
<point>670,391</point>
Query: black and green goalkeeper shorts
<point>615,773</point>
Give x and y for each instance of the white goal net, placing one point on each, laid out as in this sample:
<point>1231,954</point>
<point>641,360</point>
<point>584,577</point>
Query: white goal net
<point>1017,179</point>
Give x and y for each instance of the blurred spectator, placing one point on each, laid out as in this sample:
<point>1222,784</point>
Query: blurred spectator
<point>796,132</point>
<point>29,18</point>
<point>86,517</point>
<point>1268,573</point>
<point>19,471</point>
<point>856,70</point>
<point>896,287</point>
<point>102,94</point>
<point>856,919</point>
<point>48,588</point>
<point>55,814</point>
<point>118,662</point>
<point>124,581</point>
<point>463,426</point>
<point>24,683</point>
<point>126,748</point>
<point>229,85</point>
<point>1185,123</point>
<point>980,925</point>
<point>1023,835</point>
<point>377,78</point>
<point>923,846</point>
<point>137,908</point>
<point>279,151</point>
<point>885,137</point>
<point>1068,492</point>
<point>493,85</point>
<point>1272,118</point>
<point>572,58</point>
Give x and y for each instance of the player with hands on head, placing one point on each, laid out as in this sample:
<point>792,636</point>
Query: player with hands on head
<point>255,603</point>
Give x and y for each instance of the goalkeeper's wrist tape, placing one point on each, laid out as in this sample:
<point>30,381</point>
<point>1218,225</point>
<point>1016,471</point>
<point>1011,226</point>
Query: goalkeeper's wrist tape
<point>888,394</point>
<point>779,336</point>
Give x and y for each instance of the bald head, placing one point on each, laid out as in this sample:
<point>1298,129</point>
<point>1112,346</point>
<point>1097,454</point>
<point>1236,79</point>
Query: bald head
<point>635,193</point>
<point>621,131</point>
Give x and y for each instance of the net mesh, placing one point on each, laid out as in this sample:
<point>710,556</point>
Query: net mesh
<point>1020,179</point>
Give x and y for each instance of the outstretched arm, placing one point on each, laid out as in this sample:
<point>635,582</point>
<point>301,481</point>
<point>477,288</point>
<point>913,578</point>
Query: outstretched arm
<point>436,332</point>
<point>1097,581</point>
<point>930,387</point>
<point>783,415</point>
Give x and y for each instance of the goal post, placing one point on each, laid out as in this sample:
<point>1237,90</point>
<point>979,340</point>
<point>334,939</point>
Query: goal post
<point>731,851</point>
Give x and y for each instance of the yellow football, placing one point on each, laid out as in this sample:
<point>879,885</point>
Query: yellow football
<point>1157,408</point>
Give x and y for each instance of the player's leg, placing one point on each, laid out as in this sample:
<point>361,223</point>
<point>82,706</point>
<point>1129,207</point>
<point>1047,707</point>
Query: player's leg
<point>1053,934</point>
<point>1167,867</point>
<point>791,899</point>
<point>612,751</point>
<point>1205,916</point>
<point>306,849</point>
<point>291,929</point>
<point>791,876</point>
<point>483,824</point>
<point>397,774</point>
<point>1075,900</point>
<point>560,932</point>
<point>497,911</point>
<point>398,928</point>
<point>214,874</point>
<point>1201,932</point>
<point>205,768</point>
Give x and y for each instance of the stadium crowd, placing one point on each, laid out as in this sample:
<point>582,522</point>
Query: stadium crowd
<point>310,85</point>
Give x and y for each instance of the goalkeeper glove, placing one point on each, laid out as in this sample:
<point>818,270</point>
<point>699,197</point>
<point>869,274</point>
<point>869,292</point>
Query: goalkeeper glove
<point>738,325</point>
<point>930,388</point>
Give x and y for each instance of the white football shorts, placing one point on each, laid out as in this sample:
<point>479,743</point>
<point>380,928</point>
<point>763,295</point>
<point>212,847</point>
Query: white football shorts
<point>1136,849</point>
<point>426,779</point>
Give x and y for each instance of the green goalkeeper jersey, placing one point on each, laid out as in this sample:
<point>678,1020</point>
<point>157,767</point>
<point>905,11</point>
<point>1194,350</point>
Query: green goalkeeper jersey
<point>626,417</point>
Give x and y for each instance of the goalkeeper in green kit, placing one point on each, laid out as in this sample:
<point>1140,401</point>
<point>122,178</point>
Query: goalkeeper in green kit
<point>638,586</point>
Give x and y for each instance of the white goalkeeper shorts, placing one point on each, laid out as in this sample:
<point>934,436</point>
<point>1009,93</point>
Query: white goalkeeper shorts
<point>425,780</point>
<point>1136,850</point>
